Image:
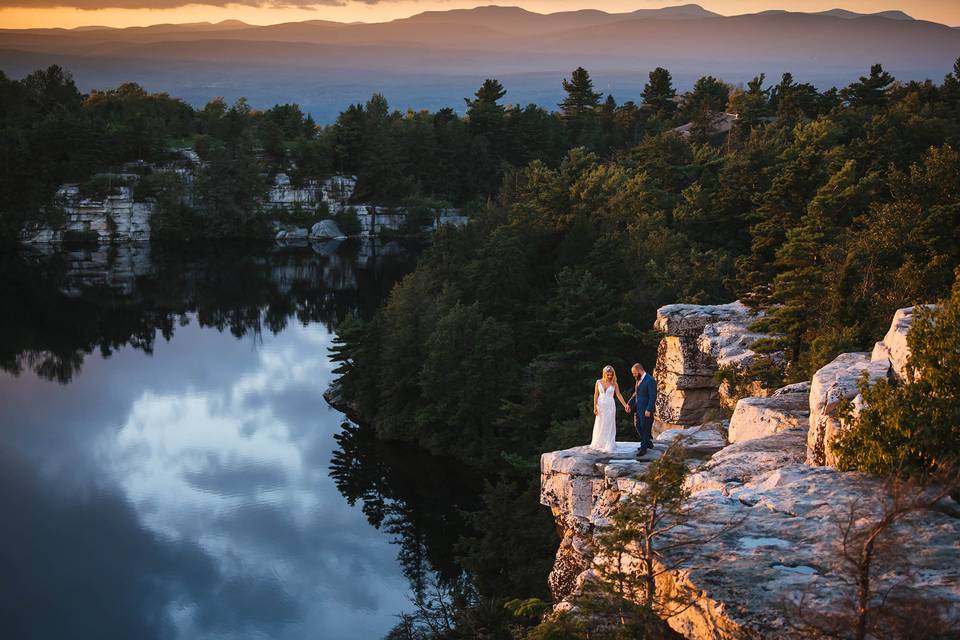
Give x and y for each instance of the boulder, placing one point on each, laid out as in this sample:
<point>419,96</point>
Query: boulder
<point>787,408</point>
<point>325,230</point>
<point>830,386</point>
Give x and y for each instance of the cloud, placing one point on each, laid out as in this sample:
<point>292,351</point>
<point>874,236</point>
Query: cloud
<point>93,5</point>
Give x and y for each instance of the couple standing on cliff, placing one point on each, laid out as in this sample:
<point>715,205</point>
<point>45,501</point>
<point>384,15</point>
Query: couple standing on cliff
<point>641,403</point>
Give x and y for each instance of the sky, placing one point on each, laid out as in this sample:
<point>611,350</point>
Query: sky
<point>123,13</point>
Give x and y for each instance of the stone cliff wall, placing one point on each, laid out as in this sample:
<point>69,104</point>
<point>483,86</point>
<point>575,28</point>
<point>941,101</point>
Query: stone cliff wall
<point>699,340</point>
<point>783,544</point>
<point>108,218</point>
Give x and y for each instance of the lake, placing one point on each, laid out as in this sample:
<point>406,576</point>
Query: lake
<point>169,466</point>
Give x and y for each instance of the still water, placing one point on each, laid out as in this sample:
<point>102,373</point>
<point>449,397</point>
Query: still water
<point>168,466</point>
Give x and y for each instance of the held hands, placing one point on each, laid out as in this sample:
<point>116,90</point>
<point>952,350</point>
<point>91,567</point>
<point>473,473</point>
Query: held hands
<point>626,408</point>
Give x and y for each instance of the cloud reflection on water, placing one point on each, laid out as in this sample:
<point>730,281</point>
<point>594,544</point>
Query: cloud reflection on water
<point>219,474</point>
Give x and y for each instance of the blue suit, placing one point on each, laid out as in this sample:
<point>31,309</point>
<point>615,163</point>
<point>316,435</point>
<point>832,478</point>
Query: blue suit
<point>643,401</point>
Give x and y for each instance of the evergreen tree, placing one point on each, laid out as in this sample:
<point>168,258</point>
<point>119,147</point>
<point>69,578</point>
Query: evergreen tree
<point>870,91</point>
<point>484,112</point>
<point>792,100</point>
<point>578,109</point>
<point>709,94</point>
<point>658,94</point>
<point>751,105</point>
<point>910,427</point>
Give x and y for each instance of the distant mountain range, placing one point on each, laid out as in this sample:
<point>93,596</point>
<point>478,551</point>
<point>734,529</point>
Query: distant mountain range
<point>436,58</point>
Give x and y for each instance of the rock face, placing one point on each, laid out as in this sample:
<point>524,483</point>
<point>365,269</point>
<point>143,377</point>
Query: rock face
<point>113,217</point>
<point>893,348</point>
<point>334,192</point>
<point>838,381</point>
<point>787,408</point>
<point>831,385</point>
<point>698,340</point>
<point>768,532</point>
<point>582,487</point>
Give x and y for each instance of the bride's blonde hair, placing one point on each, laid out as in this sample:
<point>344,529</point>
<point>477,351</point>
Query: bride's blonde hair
<point>606,368</point>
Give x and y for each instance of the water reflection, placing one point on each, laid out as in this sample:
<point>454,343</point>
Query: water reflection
<point>188,494</point>
<point>64,304</point>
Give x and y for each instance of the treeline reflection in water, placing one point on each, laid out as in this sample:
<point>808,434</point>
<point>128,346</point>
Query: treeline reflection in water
<point>64,303</point>
<point>169,482</point>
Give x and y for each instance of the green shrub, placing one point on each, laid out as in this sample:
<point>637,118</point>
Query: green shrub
<point>348,221</point>
<point>912,427</point>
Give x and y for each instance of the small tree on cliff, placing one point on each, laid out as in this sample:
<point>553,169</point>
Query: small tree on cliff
<point>870,546</point>
<point>646,538</point>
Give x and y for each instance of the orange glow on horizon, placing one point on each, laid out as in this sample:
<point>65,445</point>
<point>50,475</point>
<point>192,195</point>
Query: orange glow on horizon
<point>943,11</point>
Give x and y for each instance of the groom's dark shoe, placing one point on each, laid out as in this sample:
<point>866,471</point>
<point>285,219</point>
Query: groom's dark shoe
<point>642,451</point>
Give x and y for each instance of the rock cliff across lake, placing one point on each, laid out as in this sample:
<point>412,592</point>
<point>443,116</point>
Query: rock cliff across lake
<point>113,207</point>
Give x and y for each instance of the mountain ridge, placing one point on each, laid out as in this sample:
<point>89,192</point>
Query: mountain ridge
<point>434,59</point>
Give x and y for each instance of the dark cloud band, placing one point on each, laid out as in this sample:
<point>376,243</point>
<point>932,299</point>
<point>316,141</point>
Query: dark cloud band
<point>92,5</point>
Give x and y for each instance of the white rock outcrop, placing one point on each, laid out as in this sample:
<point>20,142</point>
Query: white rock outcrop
<point>839,381</point>
<point>113,217</point>
<point>831,386</point>
<point>768,528</point>
<point>894,348</point>
<point>698,340</point>
<point>758,417</point>
<point>334,192</point>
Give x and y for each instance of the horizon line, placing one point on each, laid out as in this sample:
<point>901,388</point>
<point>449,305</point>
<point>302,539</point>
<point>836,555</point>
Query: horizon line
<point>92,27</point>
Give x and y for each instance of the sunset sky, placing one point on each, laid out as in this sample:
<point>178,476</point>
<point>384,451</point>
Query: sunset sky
<point>120,13</point>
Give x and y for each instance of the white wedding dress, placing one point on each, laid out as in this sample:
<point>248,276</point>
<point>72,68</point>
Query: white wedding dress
<point>605,425</point>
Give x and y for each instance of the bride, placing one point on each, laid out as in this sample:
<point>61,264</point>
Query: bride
<point>605,425</point>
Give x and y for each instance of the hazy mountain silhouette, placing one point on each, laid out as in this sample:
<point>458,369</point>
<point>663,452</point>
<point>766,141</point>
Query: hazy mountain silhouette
<point>436,58</point>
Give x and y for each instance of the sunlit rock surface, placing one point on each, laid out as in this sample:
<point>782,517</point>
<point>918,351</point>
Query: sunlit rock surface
<point>830,387</point>
<point>893,348</point>
<point>767,527</point>
<point>698,340</point>
<point>787,408</point>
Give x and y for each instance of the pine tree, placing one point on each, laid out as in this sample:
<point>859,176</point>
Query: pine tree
<point>578,109</point>
<point>581,99</point>
<point>870,91</point>
<point>709,94</point>
<point>658,94</point>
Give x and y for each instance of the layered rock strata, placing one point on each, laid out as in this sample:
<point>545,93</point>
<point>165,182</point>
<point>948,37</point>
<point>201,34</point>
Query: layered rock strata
<point>768,528</point>
<point>699,340</point>
<point>108,218</point>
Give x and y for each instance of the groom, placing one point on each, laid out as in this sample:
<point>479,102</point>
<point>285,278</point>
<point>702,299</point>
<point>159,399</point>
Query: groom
<point>641,402</point>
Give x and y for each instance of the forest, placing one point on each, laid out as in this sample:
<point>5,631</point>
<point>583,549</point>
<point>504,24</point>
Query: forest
<point>827,209</point>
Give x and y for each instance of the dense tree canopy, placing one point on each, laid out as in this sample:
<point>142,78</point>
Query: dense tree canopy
<point>826,209</point>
